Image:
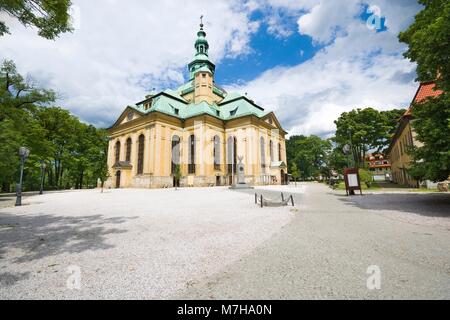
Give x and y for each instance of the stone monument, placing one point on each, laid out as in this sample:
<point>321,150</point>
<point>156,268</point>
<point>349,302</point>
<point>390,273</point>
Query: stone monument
<point>241,183</point>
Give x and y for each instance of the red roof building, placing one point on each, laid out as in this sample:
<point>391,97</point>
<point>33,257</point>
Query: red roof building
<point>426,90</point>
<point>379,166</point>
<point>404,137</point>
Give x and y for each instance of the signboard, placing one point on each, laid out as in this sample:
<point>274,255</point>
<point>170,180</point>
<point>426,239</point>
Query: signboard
<point>352,181</point>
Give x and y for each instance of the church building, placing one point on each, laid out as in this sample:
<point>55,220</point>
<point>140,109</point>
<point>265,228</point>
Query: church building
<point>200,130</point>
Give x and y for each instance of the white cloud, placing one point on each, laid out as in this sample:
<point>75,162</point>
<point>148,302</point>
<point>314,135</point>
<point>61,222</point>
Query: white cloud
<point>328,18</point>
<point>118,45</point>
<point>277,27</point>
<point>357,68</point>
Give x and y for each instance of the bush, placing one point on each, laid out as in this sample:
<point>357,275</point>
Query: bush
<point>366,177</point>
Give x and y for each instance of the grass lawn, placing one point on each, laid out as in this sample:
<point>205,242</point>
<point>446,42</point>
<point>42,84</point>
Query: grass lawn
<point>380,187</point>
<point>374,186</point>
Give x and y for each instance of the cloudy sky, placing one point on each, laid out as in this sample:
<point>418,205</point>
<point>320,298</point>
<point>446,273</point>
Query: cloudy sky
<point>308,60</point>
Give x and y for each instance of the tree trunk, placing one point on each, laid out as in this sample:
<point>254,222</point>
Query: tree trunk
<point>57,172</point>
<point>81,179</point>
<point>5,187</point>
<point>60,176</point>
<point>50,175</point>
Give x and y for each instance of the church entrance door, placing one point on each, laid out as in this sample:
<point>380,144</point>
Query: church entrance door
<point>283,178</point>
<point>118,174</point>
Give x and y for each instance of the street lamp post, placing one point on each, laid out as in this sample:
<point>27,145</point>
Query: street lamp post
<point>347,150</point>
<point>351,148</point>
<point>43,166</point>
<point>23,153</point>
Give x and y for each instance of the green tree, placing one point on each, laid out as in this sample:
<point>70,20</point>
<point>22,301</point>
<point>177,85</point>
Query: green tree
<point>337,160</point>
<point>99,157</point>
<point>19,100</point>
<point>366,129</point>
<point>9,159</point>
<point>432,126</point>
<point>308,153</point>
<point>61,129</point>
<point>75,153</point>
<point>50,17</point>
<point>391,118</point>
<point>18,94</point>
<point>294,172</point>
<point>428,40</point>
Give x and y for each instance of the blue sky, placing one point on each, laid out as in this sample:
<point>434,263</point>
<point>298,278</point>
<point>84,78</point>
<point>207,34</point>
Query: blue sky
<point>307,60</point>
<point>268,51</point>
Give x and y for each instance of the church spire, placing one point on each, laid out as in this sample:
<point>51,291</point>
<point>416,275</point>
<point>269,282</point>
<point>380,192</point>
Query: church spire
<point>201,60</point>
<point>201,45</point>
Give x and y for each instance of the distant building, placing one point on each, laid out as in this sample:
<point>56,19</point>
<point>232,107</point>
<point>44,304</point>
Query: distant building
<point>379,167</point>
<point>405,137</point>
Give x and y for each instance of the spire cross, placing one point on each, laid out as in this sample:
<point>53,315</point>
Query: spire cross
<point>201,21</point>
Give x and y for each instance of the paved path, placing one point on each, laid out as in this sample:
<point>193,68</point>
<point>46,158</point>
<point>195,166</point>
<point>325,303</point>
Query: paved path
<point>326,250</point>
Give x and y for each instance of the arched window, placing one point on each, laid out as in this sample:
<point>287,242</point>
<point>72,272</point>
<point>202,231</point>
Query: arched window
<point>217,161</point>
<point>128,148</point>
<point>117,152</point>
<point>232,154</point>
<point>271,151</point>
<point>141,147</point>
<point>263,154</point>
<point>175,152</point>
<point>191,164</point>
<point>280,158</point>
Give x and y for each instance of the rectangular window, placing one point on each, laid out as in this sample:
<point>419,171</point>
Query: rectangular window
<point>216,153</point>
<point>140,165</point>
<point>191,165</point>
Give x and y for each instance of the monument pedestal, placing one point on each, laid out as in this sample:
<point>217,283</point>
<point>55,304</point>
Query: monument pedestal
<point>241,184</point>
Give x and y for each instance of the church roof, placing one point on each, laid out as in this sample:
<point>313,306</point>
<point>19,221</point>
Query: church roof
<point>231,96</point>
<point>170,102</point>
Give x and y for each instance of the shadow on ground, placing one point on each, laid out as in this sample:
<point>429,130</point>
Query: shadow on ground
<point>8,279</point>
<point>430,205</point>
<point>36,236</point>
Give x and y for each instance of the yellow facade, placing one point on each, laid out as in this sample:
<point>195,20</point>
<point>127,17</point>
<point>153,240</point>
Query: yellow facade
<point>159,130</point>
<point>398,153</point>
<point>405,138</point>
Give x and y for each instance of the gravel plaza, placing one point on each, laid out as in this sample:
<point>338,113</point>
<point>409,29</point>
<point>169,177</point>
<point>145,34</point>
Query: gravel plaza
<point>214,243</point>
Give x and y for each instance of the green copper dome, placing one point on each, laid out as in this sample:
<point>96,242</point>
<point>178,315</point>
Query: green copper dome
<point>201,60</point>
<point>201,45</point>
